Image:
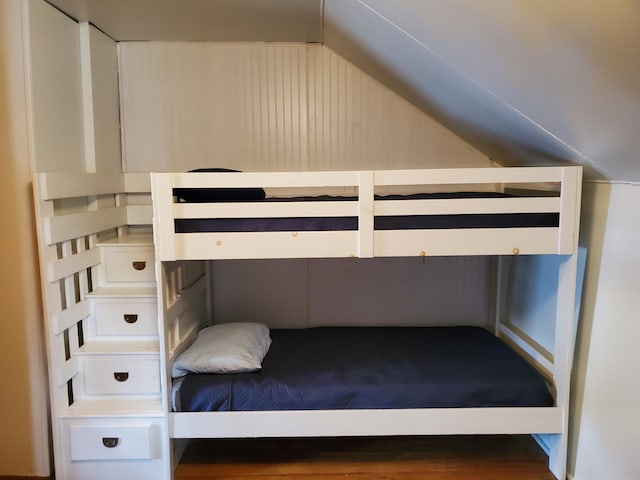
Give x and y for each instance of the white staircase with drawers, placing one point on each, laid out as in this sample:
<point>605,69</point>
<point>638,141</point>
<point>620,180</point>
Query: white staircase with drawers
<point>100,302</point>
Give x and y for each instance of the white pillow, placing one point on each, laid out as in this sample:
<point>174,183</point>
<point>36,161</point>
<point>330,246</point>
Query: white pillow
<point>225,348</point>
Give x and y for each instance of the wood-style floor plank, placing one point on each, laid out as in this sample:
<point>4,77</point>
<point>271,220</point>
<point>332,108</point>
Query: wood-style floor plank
<point>389,458</point>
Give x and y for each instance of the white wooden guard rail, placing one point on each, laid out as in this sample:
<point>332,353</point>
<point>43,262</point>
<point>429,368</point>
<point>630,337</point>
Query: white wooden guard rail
<point>366,241</point>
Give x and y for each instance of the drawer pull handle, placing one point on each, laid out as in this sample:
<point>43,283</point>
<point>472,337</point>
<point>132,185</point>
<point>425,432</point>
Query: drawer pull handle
<point>131,317</point>
<point>139,266</point>
<point>121,376</point>
<point>110,442</point>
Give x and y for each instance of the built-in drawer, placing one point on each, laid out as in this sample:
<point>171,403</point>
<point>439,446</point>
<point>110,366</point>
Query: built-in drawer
<point>121,374</point>
<point>126,318</point>
<point>128,265</point>
<point>114,441</point>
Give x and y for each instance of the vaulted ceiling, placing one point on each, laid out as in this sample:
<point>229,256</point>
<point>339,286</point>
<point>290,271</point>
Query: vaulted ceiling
<point>528,82</point>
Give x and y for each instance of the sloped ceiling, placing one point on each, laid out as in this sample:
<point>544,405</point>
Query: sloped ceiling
<point>528,82</point>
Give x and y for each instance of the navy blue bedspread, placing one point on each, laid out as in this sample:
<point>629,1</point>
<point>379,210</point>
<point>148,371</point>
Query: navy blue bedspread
<point>393,222</point>
<point>374,367</point>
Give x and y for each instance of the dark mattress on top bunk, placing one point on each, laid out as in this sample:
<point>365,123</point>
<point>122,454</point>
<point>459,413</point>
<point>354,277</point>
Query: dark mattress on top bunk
<point>374,367</point>
<point>393,222</point>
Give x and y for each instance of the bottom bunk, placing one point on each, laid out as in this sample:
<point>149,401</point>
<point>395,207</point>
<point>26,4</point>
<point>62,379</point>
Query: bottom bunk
<point>366,368</point>
<point>350,381</point>
<point>365,381</point>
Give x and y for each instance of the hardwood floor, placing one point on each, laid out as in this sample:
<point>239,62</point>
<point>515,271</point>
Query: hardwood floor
<point>408,458</point>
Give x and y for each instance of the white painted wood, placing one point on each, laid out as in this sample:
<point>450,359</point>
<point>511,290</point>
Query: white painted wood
<point>570,220</point>
<point>365,214</point>
<point>267,210</point>
<point>261,107</point>
<point>123,265</point>
<point>198,246</point>
<point>445,176</point>
<point>266,179</point>
<point>58,229</point>
<point>429,421</point>
<point>118,407</point>
<point>455,206</point>
<point>162,221</point>
<point>488,241</point>
<point>131,442</point>
<point>472,241</point>
<point>124,317</point>
<point>56,83</point>
<point>66,371</point>
<point>75,263</point>
<point>109,347</point>
<point>539,356</point>
<point>142,375</point>
<point>123,291</point>
<point>89,431</point>
<point>83,364</point>
<point>70,316</point>
<point>67,185</point>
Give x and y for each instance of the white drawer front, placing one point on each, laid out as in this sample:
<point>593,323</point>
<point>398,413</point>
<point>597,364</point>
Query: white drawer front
<point>126,318</point>
<point>124,265</point>
<point>112,442</point>
<point>133,375</point>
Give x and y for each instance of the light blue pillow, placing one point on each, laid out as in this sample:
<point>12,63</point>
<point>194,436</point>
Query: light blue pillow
<point>225,348</point>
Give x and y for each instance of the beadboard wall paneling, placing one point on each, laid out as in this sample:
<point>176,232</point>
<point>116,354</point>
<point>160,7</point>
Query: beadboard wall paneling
<point>269,107</point>
<point>359,292</point>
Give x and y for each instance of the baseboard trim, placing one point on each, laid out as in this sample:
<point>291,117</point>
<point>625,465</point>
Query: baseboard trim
<point>21,477</point>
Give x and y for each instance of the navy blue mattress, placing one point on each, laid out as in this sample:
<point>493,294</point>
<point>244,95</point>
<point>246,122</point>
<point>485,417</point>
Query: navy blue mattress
<point>374,367</point>
<point>398,222</point>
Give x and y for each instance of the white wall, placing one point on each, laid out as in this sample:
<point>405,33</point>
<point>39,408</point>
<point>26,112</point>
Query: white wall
<point>57,90</point>
<point>266,107</point>
<point>101,111</point>
<point>605,422</point>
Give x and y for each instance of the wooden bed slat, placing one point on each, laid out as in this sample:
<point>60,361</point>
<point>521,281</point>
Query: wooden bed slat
<point>540,357</point>
<point>67,371</point>
<point>267,210</point>
<point>467,205</point>
<point>66,227</point>
<point>265,179</point>
<point>68,185</point>
<point>319,423</point>
<point>472,241</point>
<point>70,316</point>
<point>452,176</point>
<point>266,245</point>
<point>75,263</point>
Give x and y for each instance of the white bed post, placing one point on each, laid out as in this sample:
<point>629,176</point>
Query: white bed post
<point>565,314</point>
<point>365,214</point>
<point>162,200</point>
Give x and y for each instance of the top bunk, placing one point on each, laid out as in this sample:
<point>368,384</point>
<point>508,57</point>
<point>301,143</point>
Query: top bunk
<point>387,213</point>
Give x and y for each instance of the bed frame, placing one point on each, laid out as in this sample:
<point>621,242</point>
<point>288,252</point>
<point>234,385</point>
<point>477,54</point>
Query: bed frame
<point>365,242</point>
<point>75,213</point>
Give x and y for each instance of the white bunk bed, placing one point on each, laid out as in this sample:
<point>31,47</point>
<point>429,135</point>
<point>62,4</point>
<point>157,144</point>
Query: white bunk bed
<point>551,191</point>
